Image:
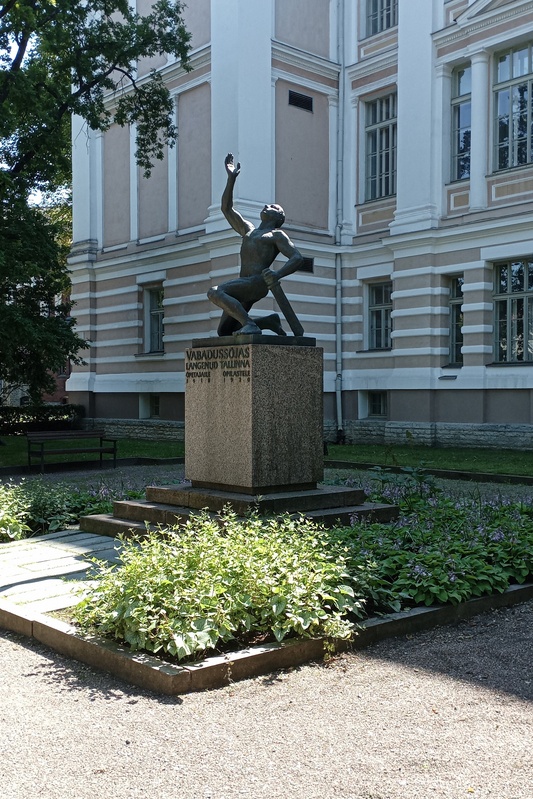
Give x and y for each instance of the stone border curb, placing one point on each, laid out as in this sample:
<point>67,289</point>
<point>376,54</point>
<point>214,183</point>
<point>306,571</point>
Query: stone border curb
<point>446,474</point>
<point>150,673</point>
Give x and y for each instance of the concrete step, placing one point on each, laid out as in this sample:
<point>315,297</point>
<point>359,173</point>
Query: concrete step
<point>372,511</point>
<point>279,502</point>
<point>152,512</point>
<point>106,524</point>
<point>135,518</point>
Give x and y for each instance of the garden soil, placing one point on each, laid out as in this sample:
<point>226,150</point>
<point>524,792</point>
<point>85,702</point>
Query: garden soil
<point>446,713</point>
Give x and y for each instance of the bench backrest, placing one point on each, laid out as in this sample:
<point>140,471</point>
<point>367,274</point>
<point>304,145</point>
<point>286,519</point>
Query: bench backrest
<point>57,435</point>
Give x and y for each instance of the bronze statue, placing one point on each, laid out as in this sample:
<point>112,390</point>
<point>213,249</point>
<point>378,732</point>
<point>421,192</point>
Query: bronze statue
<point>260,246</point>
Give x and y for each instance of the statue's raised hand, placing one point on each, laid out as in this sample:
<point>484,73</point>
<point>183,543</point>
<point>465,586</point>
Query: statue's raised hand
<point>231,169</point>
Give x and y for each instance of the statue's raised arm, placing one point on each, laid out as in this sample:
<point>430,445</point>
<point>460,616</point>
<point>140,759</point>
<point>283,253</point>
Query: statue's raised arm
<point>237,222</point>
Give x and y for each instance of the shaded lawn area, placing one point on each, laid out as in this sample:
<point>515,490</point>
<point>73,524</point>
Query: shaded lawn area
<point>14,450</point>
<point>491,461</point>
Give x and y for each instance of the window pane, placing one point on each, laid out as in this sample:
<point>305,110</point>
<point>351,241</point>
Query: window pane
<point>501,330</point>
<point>517,329</point>
<point>504,67</point>
<point>380,148</point>
<point>520,62</point>
<point>529,275</point>
<point>456,356</point>
<point>517,276</point>
<point>529,355</point>
<point>503,279</point>
<point>380,308</point>
<point>513,104</point>
<point>464,81</point>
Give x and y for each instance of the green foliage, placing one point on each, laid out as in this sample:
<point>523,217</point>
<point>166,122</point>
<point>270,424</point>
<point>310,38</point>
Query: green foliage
<point>196,588</point>
<point>57,59</point>
<point>14,512</point>
<point>36,329</point>
<point>62,58</point>
<point>40,417</point>
<point>442,551</point>
<point>37,506</point>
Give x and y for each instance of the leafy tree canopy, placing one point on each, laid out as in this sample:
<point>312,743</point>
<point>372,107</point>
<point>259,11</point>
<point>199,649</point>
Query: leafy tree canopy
<point>58,58</point>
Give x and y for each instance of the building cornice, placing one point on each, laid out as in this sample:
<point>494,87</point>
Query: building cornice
<point>293,57</point>
<point>467,23</point>
<point>372,64</point>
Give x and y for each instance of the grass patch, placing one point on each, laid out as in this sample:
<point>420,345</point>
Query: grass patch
<point>514,462</point>
<point>491,461</point>
<point>14,451</point>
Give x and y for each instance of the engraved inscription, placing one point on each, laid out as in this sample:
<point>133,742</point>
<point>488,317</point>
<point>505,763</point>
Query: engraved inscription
<point>233,363</point>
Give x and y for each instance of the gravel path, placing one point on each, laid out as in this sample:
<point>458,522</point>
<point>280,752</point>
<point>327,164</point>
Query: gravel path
<point>446,713</point>
<point>138,477</point>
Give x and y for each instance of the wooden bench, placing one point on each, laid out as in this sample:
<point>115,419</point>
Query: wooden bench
<point>38,444</point>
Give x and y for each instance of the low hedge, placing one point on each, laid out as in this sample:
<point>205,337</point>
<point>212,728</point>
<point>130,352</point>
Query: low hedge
<point>17,421</point>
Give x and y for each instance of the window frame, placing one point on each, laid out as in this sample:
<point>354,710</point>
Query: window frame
<point>517,146</point>
<point>380,310</point>
<point>154,315</point>
<point>456,320</point>
<point>513,311</point>
<point>381,142</point>
<point>461,101</point>
<point>375,399</point>
<point>380,15</point>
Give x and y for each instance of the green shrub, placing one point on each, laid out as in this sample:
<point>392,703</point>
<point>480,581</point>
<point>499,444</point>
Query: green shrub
<point>445,551</point>
<point>16,421</point>
<point>196,588</point>
<point>37,506</point>
<point>14,512</point>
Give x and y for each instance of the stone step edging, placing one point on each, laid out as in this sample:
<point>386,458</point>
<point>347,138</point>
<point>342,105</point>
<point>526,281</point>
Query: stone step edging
<point>151,673</point>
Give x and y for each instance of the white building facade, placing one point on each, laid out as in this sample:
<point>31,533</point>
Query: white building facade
<point>398,137</point>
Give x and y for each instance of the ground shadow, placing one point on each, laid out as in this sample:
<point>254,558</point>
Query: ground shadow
<point>72,675</point>
<point>493,650</point>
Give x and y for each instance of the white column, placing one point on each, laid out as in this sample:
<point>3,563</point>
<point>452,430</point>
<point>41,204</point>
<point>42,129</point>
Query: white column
<point>84,226</point>
<point>172,164</point>
<point>415,203</point>
<point>242,105</point>
<point>335,162</point>
<point>479,130</point>
<point>97,204</point>
<point>134,187</point>
<point>441,133</point>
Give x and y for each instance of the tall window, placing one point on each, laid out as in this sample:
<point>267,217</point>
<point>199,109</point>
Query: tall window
<point>512,102</point>
<point>513,305</point>
<point>381,147</point>
<point>155,319</point>
<point>456,320</point>
<point>380,15</point>
<point>379,315</point>
<point>461,121</point>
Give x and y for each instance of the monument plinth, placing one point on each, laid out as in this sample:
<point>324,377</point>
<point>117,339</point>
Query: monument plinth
<point>253,414</point>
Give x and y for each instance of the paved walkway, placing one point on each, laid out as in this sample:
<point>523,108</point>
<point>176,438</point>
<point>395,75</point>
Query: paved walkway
<point>35,573</point>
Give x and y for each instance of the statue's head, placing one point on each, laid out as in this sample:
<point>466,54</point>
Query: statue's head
<point>273,213</point>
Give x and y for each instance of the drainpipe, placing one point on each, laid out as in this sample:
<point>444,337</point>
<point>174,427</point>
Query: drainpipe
<point>338,226</point>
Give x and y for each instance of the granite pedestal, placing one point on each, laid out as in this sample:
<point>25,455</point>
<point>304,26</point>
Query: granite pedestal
<point>253,414</point>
